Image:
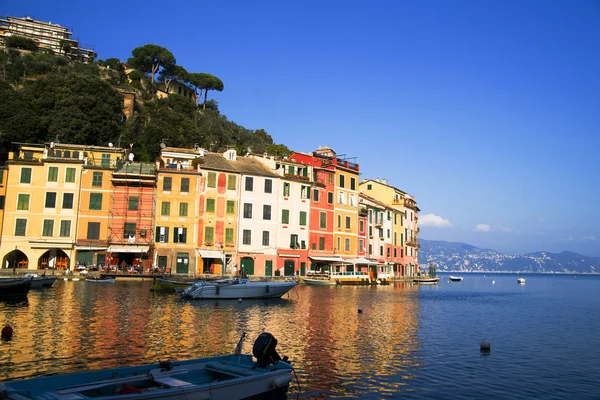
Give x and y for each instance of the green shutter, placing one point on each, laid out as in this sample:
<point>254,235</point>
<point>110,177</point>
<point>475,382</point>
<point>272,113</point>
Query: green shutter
<point>231,182</point>
<point>52,174</point>
<point>230,207</point>
<point>209,233</point>
<point>323,221</point>
<point>23,202</point>
<point>229,235</point>
<point>212,179</point>
<point>183,209</point>
<point>285,216</point>
<point>95,201</point>
<point>303,218</point>
<point>70,175</point>
<point>25,175</point>
<point>165,208</point>
<point>210,205</point>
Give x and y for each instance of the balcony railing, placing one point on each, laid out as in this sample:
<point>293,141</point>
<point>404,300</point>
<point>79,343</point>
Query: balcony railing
<point>294,176</point>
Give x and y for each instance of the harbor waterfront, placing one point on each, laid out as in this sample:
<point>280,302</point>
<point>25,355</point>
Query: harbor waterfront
<point>409,341</point>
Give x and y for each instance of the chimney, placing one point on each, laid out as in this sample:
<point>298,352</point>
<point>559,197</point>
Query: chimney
<point>384,181</point>
<point>377,179</point>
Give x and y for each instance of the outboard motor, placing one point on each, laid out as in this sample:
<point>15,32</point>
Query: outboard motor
<point>264,350</point>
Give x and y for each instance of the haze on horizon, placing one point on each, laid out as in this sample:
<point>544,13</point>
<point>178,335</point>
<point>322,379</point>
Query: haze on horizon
<point>486,112</point>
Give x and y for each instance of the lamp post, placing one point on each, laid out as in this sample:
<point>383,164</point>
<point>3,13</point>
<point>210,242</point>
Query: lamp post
<point>15,262</point>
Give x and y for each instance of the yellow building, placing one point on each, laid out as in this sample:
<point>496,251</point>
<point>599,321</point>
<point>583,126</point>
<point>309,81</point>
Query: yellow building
<point>178,188</point>
<point>404,252</point>
<point>95,203</point>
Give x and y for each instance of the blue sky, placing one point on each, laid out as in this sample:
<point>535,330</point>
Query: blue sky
<point>488,112</point>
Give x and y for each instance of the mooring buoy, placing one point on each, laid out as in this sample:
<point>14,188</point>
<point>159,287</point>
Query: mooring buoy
<point>359,310</point>
<point>239,300</point>
<point>485,346</point>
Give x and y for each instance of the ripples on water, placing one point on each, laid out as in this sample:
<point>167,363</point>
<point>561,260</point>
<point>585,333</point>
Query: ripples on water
<point>409,341</point>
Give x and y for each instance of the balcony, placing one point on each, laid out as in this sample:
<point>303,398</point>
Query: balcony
<point>294,176</point>
<point>412,243</point>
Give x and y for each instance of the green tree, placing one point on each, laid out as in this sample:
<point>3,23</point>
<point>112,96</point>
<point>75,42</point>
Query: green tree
<point>149,58</point>
<point>206,82</point>
<point>278,150</point>
<point>20,42</point>
<point>172,72</point>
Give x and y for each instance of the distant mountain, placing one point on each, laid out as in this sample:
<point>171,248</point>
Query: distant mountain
<point>451,256</point>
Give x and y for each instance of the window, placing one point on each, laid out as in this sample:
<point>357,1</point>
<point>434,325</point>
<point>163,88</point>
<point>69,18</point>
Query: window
<point>352,183</point>
<point>162,234</point>
<point>369,187</point>
<point>381,250</point>
<point>105,160</point>
<point>316,195</point>
<point>266,212</point>
<point>339,222</point>
<point>50,200</point>
<point>167,183</point>
<point>323,220</point>
<point>93,231</point>
<point>395,240</point>
<point>370,216</point>
<point>370,231</point>
<point>28,155</point>
<point>339,243</point>
<point>133,203</point>
<point>48,227</point>
<point>330,178</point>
<point>25,175</point>
<point>352,198</point>
<point>70,175</point>
<point>265,238</point>
<point>389,235</point>
<point>249,184</point>
<point>185,185</point>
<point>20,227</point>
<point>229,235</point>
<point>65,228</point>
<point>52,174</point>
<point>361,226</point>
<point>230,207</point>
<point>128,230</point>
<point>231,182</point>
<point>342,198</point>
<point>97,179</point>
<point>305,192</point>
<point>370,249</point>
<point>2,200</point>
<point>246,236</point>
<point>183,209</point>
<point>247,210</point>
<point>180,235</point>
<point>361,245</point>
<point>389,252</point>
<point>342,179</point>
<point>321,243</point>
<point>285,216</point>
<point>330,197</point>
<point>294,241</point>
<point>286,189</point>
<point>23,202</point>
<point>212,180</point>
<point>347,244</point>
<point>209,234</point>
<point>348,222</point>
<point>268,186</point>
<point>210,205</point>
<point>303,218</point>
<point>165,208</point>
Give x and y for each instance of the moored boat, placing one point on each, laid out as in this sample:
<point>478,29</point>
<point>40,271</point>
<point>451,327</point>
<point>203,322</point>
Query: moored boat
<point>521,280</point>
<point>319,281</point>
<point>164,284</point>
<point>234,376</point>
<point>14,288</point>
<point>426,280</point>
<point>237,289</point>
<point>455,278</point>
<point>38,281</point>
<point>100,279</point>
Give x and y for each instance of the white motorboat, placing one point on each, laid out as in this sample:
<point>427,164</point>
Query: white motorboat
<point>455,278</point>
<point>521,280</point>
<point>426,280</point>
<point>38,281</point>
<point>100,280</point>
<point>234,376</point>
<point>236,289</point>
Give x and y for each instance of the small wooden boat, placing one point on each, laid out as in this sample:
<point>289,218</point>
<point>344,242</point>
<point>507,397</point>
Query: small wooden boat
<point>319,281</point>
<point>455,278</point>
<point>521,280</point>
<point>164,284</point>
<point>223,377</point>
<point>426,280</point>
<point>100,279</point>
<point>14,288</point>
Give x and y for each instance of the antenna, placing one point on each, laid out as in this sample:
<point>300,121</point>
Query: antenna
<point>110,144</point>
<point>162,145</point>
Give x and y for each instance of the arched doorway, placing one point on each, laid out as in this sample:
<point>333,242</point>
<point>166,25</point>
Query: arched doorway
<point>15,259</point>
<point>288,267</point>
<point>247,264</point>
<point>54,258</point>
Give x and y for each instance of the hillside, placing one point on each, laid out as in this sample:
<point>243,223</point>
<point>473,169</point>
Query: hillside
<point>451,256</point>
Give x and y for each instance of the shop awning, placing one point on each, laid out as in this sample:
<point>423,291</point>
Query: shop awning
<point>210,254</point>
<point>128,249</point>
<point>90,248</point>
<point>45,245</point>
<point>361,261</point>
<point>327,259</point>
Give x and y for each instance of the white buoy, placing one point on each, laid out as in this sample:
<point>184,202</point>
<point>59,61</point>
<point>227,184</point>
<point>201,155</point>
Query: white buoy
<point>359,310</point>
<point>493,282</point>
<point>485,346</point>
<point>239,300</point>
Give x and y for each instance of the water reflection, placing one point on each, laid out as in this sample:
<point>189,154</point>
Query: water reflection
<point>337,352</point>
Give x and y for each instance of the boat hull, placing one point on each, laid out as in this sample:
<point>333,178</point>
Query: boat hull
<point>426,281</point>
<point>14,288</point>
<point>247,290</point>
<point>161,284</point>
<point>319,282</point>
<point>455,278</point>
<point>101,280</point>
<point>225,377</point>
